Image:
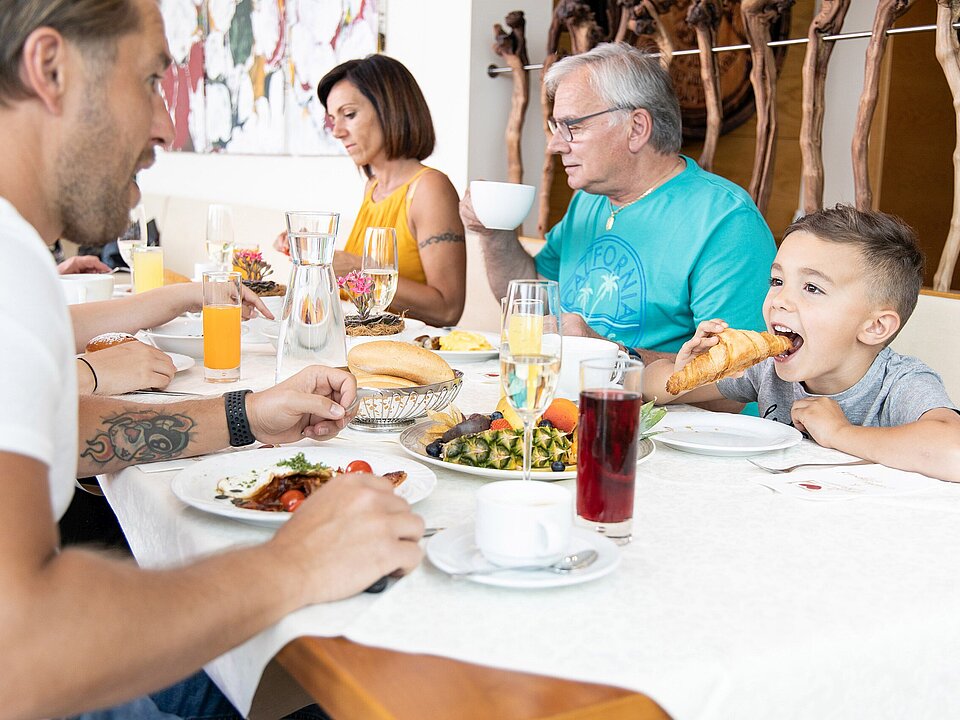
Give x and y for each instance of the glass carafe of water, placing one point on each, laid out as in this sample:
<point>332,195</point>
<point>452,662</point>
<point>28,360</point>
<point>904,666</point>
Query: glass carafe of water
<point>311,322</point>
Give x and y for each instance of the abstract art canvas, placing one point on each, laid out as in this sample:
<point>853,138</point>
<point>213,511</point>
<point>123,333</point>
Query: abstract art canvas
<point>245,72</point>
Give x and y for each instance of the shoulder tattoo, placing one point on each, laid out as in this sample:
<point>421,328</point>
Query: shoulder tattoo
<point>450,237</point>
<point>140,436</point>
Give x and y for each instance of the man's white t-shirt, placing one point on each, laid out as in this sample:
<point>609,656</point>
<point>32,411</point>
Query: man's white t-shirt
<point>38,375</point>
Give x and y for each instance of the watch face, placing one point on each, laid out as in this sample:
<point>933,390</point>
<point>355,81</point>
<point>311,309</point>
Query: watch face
<point>734,66</point>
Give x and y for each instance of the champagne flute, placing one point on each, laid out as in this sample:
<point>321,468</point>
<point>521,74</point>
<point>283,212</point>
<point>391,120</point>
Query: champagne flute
<point>135,234</point>
<point>220,240</point>
<point>379,263</point>
<point>530,353</point>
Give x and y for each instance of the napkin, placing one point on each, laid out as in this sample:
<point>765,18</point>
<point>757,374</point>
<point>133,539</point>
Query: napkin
<point>848,483</point>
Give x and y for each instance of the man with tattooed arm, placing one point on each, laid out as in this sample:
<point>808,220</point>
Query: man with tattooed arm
<point>79,90</point>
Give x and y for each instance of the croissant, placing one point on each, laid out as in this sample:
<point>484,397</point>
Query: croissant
<point>736,351</point>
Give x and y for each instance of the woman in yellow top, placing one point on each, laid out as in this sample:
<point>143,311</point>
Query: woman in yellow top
<point>379,114</point>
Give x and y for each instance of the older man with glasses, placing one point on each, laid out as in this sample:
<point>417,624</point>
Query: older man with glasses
<point>651,244</point>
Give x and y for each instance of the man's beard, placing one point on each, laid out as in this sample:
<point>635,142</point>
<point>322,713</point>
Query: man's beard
<point>93,191</point>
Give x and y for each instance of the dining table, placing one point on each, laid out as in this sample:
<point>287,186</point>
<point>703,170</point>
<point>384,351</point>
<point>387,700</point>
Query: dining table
<point>735,597</point>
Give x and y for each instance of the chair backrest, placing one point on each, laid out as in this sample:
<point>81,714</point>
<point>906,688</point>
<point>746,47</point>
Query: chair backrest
<point>931,335</point>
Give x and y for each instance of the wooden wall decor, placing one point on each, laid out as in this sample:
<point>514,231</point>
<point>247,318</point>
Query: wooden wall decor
<point>758,18</point>
<point>888,12</point>
<point>948,55</point>
<point>650,20</point>
<point>828,21</point>
<point>704,16</point>
<point>512,47</point>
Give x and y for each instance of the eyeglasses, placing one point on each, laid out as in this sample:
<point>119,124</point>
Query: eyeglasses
<point>565,127</point>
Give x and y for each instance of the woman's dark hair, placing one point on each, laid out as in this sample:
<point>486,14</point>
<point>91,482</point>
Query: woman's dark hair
<point>403,113</point>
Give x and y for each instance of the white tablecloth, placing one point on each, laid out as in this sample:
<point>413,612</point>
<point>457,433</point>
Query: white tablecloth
<point>732,600</point>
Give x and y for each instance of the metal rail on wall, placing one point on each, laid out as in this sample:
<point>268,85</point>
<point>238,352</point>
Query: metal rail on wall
<point>494,70</point>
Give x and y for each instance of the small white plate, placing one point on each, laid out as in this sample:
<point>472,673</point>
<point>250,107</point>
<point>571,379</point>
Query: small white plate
<point>184,335</point>
<point>712,433</point>
<point>468,356</point>
<point>181,362</point>
<point>410,442</point>
<point>196,485</point>
<point>453,551</point>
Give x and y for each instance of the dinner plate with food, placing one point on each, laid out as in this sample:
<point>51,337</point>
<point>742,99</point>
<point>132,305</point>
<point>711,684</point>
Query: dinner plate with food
<point>264,486</point>
<point>461,345</point>
<point>492,445</point>
<point>723,434</point>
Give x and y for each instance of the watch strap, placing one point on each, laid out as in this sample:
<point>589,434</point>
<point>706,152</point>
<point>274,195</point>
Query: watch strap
<point>235,406</point>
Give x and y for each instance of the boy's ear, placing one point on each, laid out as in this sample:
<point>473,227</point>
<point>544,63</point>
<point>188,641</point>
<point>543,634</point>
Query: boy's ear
<point>879,327</point>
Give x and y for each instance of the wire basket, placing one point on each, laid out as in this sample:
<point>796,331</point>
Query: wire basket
<point>391,409</point>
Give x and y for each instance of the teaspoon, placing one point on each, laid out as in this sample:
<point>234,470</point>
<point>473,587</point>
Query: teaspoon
<point>570,563</point>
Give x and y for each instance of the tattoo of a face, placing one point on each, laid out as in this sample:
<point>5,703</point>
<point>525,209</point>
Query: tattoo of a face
<point>444,237</point>
<point>140,437</point>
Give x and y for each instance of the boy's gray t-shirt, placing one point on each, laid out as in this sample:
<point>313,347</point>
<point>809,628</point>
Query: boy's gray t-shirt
<point>896,390</point>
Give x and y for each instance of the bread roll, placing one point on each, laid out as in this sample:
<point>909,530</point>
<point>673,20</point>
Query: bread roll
<point>399,359</point>
<point>383,381</point>
<point>101,342</point>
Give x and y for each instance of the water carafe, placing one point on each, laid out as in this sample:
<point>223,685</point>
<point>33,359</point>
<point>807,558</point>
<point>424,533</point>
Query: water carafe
<point>311,322</point>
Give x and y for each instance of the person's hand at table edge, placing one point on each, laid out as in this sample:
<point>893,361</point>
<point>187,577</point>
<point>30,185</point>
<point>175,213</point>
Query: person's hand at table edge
<point>124,368</point>
<point>347,535</point>
<point>310,404</point>
<point>82,264</point>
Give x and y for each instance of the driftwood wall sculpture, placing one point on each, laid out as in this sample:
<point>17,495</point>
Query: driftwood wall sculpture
<point>512,47</point>
<point>758,18</point>
<point>704,16</point>
<point>828,21</point>
<point>948,54</point>
<point>888,11</point>
<point>649,21</point>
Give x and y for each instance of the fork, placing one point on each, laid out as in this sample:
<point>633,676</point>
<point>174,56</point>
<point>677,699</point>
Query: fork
<point>779,471</point>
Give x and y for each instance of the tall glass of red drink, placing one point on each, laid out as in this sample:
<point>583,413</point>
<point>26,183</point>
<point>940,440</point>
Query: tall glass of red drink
<point>609,426</point>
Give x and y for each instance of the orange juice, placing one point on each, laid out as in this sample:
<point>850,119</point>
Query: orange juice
<point>221,337</point>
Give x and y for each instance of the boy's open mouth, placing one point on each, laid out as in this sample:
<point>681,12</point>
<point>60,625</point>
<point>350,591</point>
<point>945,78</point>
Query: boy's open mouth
<point>792,336</point>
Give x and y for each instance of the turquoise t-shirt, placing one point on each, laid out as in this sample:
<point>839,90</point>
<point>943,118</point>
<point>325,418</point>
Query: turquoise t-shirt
<point>695,248</point>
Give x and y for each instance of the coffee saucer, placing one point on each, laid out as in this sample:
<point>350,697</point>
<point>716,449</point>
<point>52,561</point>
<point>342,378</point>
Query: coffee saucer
<point>453,551</point>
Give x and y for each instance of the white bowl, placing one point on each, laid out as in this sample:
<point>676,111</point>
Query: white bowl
<point>184,335</point>
<point>500,205</point>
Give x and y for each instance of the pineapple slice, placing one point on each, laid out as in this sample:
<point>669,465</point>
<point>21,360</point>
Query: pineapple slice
<point>503,449</point>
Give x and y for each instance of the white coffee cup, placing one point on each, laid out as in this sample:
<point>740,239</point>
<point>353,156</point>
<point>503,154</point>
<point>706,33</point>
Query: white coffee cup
<point>500,205</point>
<point>523,522</point>
<point>575,349</point>
<point>87,287</point>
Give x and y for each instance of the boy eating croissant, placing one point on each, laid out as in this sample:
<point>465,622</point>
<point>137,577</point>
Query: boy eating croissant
<point>842,285</point>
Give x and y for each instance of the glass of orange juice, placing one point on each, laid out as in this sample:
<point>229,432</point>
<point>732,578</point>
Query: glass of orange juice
<point>147,267</point>
<point>221,326</point>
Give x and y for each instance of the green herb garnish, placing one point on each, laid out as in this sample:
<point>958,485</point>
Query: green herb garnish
<point>298,463</point>
<point>649,417</point>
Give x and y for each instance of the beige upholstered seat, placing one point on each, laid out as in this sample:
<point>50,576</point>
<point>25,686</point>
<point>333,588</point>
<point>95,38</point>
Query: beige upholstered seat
<point>933,335</point>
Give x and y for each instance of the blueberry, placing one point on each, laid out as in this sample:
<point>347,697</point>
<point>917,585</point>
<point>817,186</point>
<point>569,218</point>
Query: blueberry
<point>496,415</point>
<point>557,466</point>
<point>545,424</point>
<point>434,448</point>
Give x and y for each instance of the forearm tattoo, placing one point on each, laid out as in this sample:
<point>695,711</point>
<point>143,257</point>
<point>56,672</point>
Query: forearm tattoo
<point>140,436</point>
<point>444,237</point>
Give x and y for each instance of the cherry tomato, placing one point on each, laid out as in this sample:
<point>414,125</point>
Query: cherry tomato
<point>359,466</point>
<point>291,500</point>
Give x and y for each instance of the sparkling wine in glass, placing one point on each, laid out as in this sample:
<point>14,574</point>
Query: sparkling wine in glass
<point>530,353</point>
<point>220,238</point>
<point>379,263</point>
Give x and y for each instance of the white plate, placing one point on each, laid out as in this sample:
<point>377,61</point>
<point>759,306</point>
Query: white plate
<point>196,485</point>
<point>181,362</point>
<point>453,551</point>
<point>184,335</point>
<point>467,356</point>
<point>410,442</point>
<point>711,433</point>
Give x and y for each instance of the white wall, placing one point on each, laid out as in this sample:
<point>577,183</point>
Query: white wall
<point>447,45</point>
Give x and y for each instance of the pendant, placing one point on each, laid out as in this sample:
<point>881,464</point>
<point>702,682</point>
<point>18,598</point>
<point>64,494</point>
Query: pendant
<point>610,222</point>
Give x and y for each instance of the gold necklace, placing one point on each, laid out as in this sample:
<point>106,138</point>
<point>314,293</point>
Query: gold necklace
<point>662,179</point>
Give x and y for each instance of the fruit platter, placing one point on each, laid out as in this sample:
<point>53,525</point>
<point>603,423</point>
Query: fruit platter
<point>492,444</point>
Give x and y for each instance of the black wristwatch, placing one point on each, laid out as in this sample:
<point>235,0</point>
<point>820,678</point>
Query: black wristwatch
<point>235,405</point>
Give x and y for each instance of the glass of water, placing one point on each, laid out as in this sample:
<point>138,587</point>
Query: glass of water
<point>220,238</point>
<point>135,234</point>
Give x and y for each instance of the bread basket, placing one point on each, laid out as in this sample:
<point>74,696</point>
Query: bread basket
<point>390,409</point>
